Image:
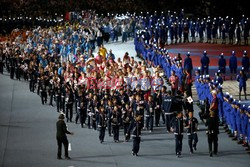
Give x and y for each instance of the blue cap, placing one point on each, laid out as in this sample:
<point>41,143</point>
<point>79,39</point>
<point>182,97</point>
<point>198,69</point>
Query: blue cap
<point>238,103</point>
<point>231,99</point>
<point>227,96</point>
<point>243,107</point>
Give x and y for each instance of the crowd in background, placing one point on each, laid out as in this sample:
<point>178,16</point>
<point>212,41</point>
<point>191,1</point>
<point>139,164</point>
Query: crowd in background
<point>162,28</point>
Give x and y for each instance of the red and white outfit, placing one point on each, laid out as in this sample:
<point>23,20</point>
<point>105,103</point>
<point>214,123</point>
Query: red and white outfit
<point>82,80</point>
<point>146,86</point>
<point>119,83</point>
<point>174,80</point>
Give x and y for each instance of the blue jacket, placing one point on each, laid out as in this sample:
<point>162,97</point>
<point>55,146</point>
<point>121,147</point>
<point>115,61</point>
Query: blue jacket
<point>166,104</point>
<point>242,80</point>
<point>220,104</point>
<point>238,120</point>
<point>222,63</point>
<point>245,62</point>
<point>248,128</point>
<point>205,61</point>
<point>233,62</point>
<point>225,111</point>
<point>188,65</point>
<point>218,79</point>
<point>233,119</point>
<point>177,125</point>
<point>244,122</point>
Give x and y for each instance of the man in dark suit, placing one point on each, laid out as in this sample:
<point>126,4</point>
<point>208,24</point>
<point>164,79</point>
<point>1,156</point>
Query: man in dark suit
<point>177,128</point>
<point>136,127</point>
<point>61,137</point>
<point>212,132</point>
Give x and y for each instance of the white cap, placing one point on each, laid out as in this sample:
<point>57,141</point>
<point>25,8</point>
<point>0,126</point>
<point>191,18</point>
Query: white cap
<point>213,92</point>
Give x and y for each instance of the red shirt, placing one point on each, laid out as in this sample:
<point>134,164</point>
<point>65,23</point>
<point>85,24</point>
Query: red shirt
<point>174,81</point>
<point>215,102</point>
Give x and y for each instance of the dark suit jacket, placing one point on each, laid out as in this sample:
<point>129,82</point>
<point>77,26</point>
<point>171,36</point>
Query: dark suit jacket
<point>61,129</point>
<point>213,126</point>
